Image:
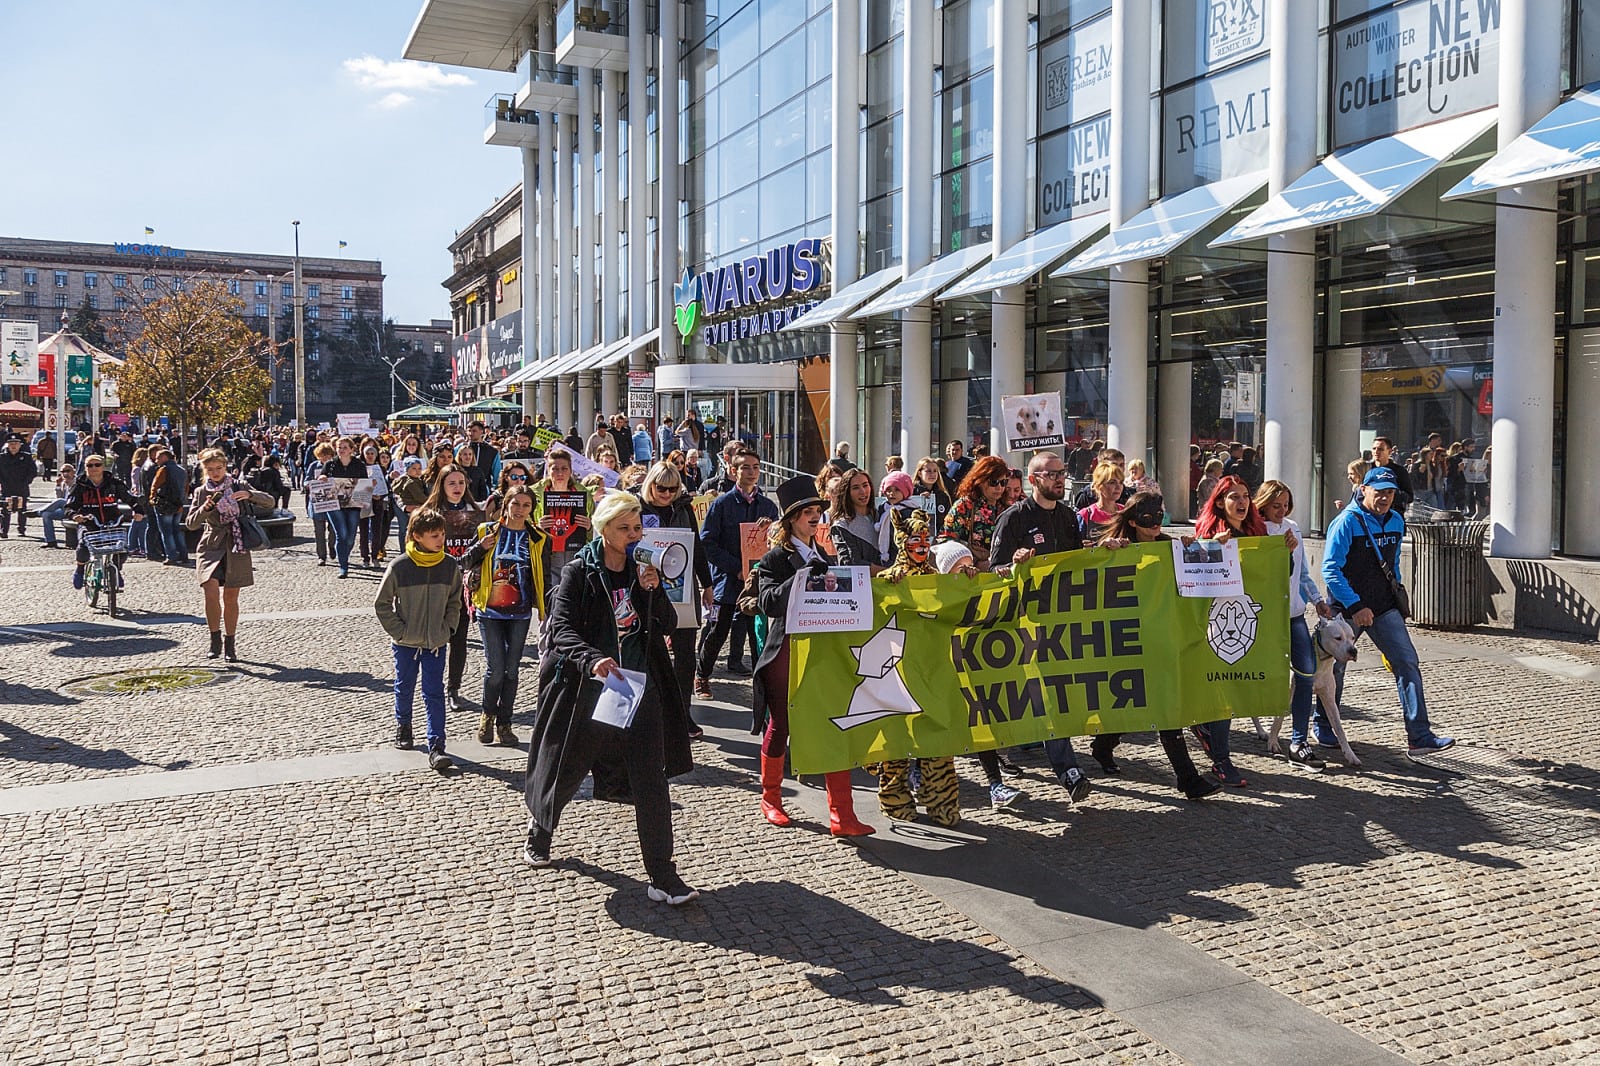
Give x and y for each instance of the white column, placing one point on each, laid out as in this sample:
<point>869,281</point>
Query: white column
<point>1341,426</point>
<point>1175,393</point>
<point>1289,451</point>
<point>585,289</point>
<point>1127,392</point>
<point>1583,445</point>
<point>953,401</point>
<point>547,257</point>
<point>638,176</point>
<point>844,360</point>
<point>566,252</point>
<point>916,225</point>
<point>1525,294</point>
<point>1008,313</point>
<point>667,210</point>
<point>528,277</point>
<point>610,222</point>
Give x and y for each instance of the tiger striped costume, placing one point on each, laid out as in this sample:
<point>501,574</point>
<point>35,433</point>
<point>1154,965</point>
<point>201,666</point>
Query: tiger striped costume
<point>939,789</point>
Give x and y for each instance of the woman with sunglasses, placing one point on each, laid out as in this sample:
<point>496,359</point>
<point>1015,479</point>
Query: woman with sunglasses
<point>664,504</point>
<point>973,515</point>
<point>452,497</point>
<point>1139,522</point>
<point>513,474</point>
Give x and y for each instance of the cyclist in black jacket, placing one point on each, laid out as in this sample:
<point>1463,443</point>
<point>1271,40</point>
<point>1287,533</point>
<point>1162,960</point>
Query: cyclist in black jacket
<point>95,498</point>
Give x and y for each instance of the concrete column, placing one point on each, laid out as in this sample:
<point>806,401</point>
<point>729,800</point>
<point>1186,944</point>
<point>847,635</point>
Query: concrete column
<point>1583,445</point>
<point>1175,392</point>
<point>1126,380</point>
<point>1289,451</point>
<point>638,172</point>
<point>1008,318</point>
<point>1524,294</point>
<point>584,169</point>
<point>1341,426</point>
<point>916,229</point>
<point>566,254</point>
<point>611,222</point>
<point>528,277</point>
<point>953,399</point>
<point>667,269</point>
<point>844,359</point>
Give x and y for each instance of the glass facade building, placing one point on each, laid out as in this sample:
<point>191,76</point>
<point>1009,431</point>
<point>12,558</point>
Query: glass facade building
<point>1235,231</point>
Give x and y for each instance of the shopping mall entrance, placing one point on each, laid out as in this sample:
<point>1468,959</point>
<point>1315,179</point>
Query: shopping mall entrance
<point>758,404</point>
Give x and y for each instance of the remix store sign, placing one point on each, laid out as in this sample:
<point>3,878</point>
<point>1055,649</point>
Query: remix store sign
<point>1074,163</point>
<point>1418,63</point>
<point>706,301</point>
<point>1214,122</point>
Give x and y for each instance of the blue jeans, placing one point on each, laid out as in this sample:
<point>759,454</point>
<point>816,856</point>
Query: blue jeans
<point>55,512</point>
<point>1062,758</point>
<point>344,522</point>
<point>503,640</point>
<point>402,519</point>
<point>1303,662</point>
<point>408,663</point>
<point>170,529</point>
<point>151,541</point>
<point>1388,632</point>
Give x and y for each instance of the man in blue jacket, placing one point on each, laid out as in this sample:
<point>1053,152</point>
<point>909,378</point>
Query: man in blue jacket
<point>720,536</point>
<point>1363,539</point>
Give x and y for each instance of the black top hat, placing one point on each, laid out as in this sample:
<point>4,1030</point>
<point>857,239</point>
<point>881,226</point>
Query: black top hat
<point>796,494</point>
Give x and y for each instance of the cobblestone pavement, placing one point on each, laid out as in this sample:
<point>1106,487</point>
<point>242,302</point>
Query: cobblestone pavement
<point>1446,913</point>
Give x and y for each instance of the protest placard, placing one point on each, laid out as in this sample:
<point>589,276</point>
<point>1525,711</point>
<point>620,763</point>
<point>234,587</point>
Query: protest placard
<point>838,601</point>
<point>671,552</point>
<point>1207,568</point>
<point>1082,642</point>
<point>752,546</point>
<point>1032,421</point>
<point>561,508</point>
<point>322,497</point>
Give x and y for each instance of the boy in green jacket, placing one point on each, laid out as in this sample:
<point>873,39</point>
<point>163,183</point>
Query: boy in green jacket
<point>419,605</point>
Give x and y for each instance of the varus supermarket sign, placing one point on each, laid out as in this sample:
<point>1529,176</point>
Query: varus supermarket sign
<point>737,300</point>
<point>156,251</point>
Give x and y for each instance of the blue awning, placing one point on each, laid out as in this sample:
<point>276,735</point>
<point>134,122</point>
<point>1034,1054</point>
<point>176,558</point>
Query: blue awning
<point>1039,251</point>
<point>1563,144</point>
<point>1360,181</point>
<point>1165,224</point>
<point>846,299</point>
<point>927,282</point>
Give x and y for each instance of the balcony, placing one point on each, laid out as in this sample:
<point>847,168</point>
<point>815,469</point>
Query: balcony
<point>590,33</point>
<point>546,85</point>
<point>509,125</point>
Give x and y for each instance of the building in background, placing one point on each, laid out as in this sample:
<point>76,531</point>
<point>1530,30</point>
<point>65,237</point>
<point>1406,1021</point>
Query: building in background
<point>48,277</point>
<point>1295,224</point>
<point>485,286</point>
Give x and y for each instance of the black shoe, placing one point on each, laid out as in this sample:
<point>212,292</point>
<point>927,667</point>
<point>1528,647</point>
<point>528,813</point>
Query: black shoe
<point>1303,756</point>
<point>1103,756</point>
<point>228,653</point>
<point>738,669</point>
<point>452,701</point>
<point>695,732</point>
<point>536,852</point>
<point>1009,768</point>
<point>402,737</point>
<point>1203,736</point>
<point>671,891</point>
<point>439,760</point>
<point>1201,789</point>
<point>216,644</point>
<point>1076,784</point>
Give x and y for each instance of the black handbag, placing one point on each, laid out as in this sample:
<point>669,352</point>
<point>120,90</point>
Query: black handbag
<point>1402,598</point>
<point>252,533</point>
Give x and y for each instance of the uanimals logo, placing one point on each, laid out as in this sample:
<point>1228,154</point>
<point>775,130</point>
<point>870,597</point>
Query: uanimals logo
<point>1231,627</point>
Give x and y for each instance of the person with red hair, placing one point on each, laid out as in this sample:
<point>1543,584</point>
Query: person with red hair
<point>1229,512</point>
<point>981,498</point>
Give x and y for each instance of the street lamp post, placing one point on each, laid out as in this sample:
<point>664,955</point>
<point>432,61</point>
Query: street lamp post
<point>299,337</point>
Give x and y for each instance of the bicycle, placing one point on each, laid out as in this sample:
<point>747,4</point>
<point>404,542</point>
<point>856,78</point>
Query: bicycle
<point>107,550</point>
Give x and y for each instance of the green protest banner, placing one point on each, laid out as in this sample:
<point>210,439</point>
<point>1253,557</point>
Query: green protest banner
<point>1092,641</point>
<point>543,438</point>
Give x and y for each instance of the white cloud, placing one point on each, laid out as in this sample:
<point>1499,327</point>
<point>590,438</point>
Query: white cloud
<point>390,101</point>
<point>399,76</point>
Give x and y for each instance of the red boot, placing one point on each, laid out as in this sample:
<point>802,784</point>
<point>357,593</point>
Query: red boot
<point>841,807</point>
<point>772,789</point>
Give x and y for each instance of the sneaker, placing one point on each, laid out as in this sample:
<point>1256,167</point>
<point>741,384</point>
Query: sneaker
<point>77,579</point>
<point>505,737</point>
<point>452,701</point>
<point>914,777</point>
<point>739,669</point>
<point>1076,784</point>
<point>536,852</point>
<point>402,737</point>
<point>1430,746</point>
<point>1009,768</point>
<point>673,892</point>
<point>1230,776</point>
<point>485,729</point>
<point>695,731</point>
<point>1201,789</point>
<point>1203,736</point>
<point>1301,755</point>
<point>1002,795</point>
<point>438,760</point>
<point>702,689</point>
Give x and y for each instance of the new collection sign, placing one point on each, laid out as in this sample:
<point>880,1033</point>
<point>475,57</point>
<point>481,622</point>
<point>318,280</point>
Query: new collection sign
<point>780,276</point>
<point>1083,642</point>
<point>1417,63</point>
<point>1074,148</point>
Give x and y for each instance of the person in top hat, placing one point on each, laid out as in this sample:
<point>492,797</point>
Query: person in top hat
<point>795,554</point>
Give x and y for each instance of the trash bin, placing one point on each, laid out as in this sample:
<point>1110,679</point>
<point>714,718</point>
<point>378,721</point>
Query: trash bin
<point>1448,578</point>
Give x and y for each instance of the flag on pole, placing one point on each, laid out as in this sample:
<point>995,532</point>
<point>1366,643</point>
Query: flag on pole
<point>148,231</point>
<point>343,244</point>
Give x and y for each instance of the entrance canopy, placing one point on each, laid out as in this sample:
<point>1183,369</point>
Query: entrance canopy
<point>603,355</point>
<point>846,299</point>
<point>1019,263</point>
<point>1165,224</point>
<point>518,377</point>
<point>1360,181</point>
<point>1563,144</point>
<point>927,282</point>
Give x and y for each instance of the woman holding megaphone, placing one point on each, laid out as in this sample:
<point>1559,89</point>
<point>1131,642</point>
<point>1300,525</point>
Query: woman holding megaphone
<point>664,504</point>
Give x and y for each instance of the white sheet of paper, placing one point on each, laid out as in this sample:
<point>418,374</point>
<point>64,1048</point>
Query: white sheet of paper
<point>621,693</point>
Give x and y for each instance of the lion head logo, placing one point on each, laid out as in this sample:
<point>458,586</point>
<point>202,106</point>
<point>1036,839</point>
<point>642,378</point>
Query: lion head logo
<point>1231,627</point>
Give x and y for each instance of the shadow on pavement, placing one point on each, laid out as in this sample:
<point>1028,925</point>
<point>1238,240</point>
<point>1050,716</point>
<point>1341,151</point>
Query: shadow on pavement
<point>311,677</point>
<point>15,695</point>
<point>20,745</point>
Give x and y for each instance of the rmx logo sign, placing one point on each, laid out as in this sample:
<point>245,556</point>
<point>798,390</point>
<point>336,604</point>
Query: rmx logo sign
<point>1233,27</point>
<point>1057,82</point>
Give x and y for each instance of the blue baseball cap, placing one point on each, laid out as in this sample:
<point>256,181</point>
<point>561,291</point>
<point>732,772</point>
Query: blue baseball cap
<point>1380,477</point>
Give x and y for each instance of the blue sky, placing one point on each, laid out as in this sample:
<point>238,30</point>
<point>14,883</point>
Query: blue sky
<point>217,123</point>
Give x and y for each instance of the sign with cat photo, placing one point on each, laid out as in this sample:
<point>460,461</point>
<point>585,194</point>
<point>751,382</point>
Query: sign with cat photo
<point>1029,422</point>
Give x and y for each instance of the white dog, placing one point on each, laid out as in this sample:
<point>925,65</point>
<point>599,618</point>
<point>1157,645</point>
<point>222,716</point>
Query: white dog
<point>1335,642</point>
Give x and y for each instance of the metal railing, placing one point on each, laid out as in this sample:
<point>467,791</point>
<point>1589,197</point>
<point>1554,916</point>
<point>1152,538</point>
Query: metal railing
<point>592,16</point>
<point>502,107</point>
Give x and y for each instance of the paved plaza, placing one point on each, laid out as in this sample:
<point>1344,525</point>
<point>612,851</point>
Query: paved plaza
<point>245,872</point>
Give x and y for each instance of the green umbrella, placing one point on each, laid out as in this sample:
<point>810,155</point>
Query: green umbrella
<point>424,412</point>
<point>493,406</point>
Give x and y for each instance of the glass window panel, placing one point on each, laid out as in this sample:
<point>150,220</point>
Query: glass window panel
<point>882,234</point>
<point>881,160</point>
<point>1057,15</point>
<point>783,197</point>
<point>969,120</point>
<point>783,71</point>
<point>739,99</point>
<point>883,81</point>
<point>819,117</point>
<point>735,154</point>
<point>779,18</point>
<point>738,40</point>
<point>819,190</point>
<point>1202,38</point>
<point>968,37</point>
<point>885,18</point>
<point>968,205</point>
<point>737,222</point>
<point>783,135</point>
<point>819,48</point>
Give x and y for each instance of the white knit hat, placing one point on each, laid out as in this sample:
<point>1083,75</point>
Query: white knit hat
<point>948,554</point>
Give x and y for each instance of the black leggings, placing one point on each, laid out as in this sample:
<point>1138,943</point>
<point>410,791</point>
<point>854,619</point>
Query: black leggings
<point>775,682</point>
<point>458,651</point>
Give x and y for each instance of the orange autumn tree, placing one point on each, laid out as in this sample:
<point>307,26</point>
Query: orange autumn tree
<point>191,356</point>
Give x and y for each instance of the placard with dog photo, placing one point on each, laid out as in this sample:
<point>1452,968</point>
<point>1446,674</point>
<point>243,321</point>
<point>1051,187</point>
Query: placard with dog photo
<point>1030,422</point>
